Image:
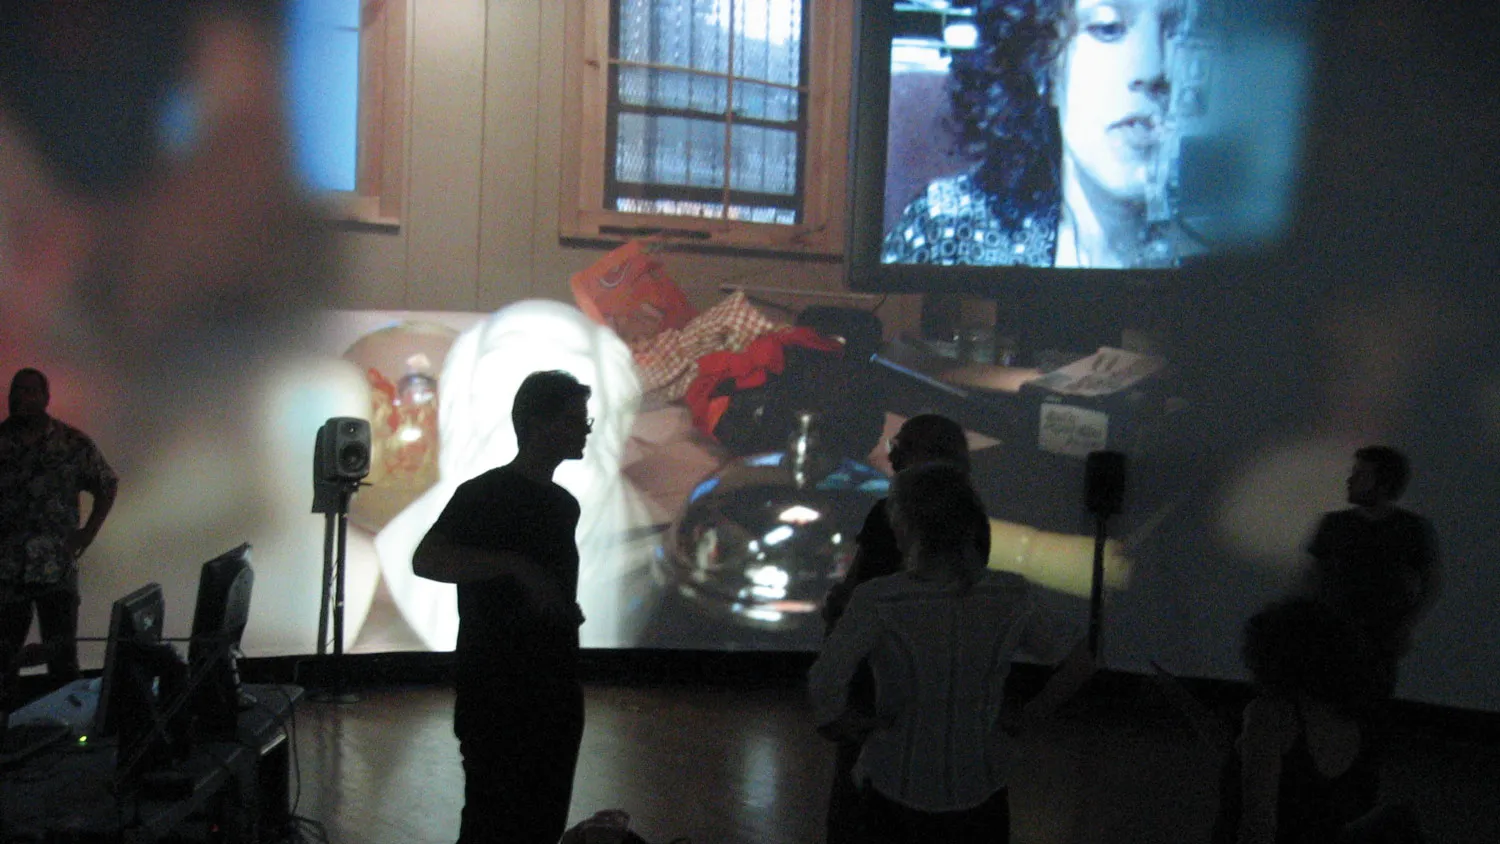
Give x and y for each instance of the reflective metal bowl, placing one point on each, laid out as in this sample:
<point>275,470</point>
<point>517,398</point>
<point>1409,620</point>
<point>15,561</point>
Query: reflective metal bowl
<point>760,541</point>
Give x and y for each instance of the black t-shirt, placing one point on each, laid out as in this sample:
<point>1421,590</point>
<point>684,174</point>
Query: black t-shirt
<point>1374,569</point>
<point>878,554</point>
<point>498,634</point>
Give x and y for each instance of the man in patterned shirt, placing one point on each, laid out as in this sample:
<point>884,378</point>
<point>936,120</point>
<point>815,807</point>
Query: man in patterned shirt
<point>44,465</point>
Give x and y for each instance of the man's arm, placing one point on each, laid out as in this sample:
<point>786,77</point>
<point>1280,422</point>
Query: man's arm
<point>837,599</point>
<point>1426,586</point>
<point>104,500</point>
<point>1044,636</point>
<point>1430,574</point>
<point>441,559</point>
<point>1315,561</point>
<point>829,678</point>
<point>1269,729</point>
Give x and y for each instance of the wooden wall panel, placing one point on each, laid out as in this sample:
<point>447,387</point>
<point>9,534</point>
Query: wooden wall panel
<point>447,131</point>
<point>513,118</point>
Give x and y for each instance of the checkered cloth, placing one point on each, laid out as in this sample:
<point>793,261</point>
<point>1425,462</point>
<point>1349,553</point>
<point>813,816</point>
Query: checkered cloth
<point>669,362</point>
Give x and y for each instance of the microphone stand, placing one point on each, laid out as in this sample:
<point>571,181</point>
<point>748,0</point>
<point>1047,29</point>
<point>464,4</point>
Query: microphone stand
<point>1104,495</point>
<point>1096,592</point>
<point>335,538</point>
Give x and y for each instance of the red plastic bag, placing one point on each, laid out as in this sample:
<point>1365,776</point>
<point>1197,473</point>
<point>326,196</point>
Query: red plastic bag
<point>629,291</point>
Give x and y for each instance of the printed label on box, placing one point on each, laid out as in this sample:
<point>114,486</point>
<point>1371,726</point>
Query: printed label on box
<point>1072,431</point>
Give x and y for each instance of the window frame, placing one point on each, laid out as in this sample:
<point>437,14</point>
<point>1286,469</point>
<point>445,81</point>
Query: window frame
<point>377,198</point>
<point>829,30</point>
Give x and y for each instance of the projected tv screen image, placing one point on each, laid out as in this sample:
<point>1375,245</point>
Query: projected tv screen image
<point>1086,134</point>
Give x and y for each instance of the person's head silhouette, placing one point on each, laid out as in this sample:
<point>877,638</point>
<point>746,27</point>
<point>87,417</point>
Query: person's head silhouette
<point>1379,477</point>
<point>929,437</point>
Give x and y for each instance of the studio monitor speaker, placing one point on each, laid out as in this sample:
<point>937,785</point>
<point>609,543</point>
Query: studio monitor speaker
<point>1104,482</point>
<point>342,450</point>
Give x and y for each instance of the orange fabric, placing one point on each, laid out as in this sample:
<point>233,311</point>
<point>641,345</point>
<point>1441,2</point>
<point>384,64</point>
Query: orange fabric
<point>629,291</point>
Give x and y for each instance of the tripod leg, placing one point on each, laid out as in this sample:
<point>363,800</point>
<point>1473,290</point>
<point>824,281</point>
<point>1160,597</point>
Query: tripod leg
<point>338,601</point>
<point>337,692</point>
<point>328,562</point>
<point>1096,593</point>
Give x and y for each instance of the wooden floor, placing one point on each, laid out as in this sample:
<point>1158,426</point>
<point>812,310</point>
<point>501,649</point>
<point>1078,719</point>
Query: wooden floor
<point>736,765</point>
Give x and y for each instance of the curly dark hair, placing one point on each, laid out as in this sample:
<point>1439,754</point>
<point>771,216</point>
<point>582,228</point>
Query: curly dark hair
<point>1002,109</point>
<point>1300,645</point>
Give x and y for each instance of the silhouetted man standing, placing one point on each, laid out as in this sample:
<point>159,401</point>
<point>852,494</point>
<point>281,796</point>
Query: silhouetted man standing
<point>1376,563</point>
<point>507,539</point>
<point>44,465</point>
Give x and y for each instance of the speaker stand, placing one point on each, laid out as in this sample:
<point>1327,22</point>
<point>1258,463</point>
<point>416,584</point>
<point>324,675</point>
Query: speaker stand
<point>335,536</point>
<point>1096,592</point>
<point>1104,496</point>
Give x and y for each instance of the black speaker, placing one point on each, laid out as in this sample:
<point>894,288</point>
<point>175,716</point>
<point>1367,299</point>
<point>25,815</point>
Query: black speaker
<point>1104,482</point>
<point>342,450</point>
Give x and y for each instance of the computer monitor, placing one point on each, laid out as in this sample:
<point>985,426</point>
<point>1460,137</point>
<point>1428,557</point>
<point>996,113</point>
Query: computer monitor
<point>141,686</point>
<point>219,618</point>
<point>134,620</point>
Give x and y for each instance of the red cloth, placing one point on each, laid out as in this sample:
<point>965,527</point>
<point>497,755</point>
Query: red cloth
<point>668,362</point>
<point>753,367</point>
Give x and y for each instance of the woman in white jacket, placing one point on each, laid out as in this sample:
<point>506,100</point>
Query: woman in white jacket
<point>939,637</point>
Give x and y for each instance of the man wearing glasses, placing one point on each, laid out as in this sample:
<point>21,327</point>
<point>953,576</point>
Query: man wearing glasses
<point>506,538</point>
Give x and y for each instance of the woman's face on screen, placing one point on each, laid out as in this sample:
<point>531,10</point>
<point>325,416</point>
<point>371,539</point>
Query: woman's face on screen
<point>1111,89</point>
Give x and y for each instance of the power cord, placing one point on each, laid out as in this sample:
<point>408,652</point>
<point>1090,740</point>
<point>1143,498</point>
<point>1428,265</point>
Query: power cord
<point>300,829</point>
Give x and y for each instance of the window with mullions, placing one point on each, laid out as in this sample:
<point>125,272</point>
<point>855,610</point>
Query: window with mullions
<point>708,109</point>
<point>723,120</point>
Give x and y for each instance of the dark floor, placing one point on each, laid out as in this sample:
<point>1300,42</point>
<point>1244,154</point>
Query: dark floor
<point>724,764</point>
